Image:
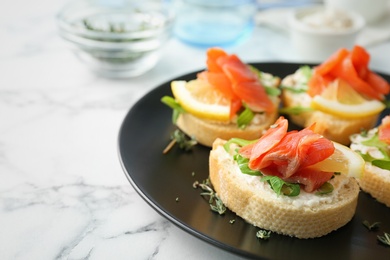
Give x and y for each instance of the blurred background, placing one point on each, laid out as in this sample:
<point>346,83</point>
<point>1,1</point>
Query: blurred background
<point>71,70</point>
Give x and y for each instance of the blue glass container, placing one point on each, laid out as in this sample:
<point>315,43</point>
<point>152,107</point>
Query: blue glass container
<point>207,23</point>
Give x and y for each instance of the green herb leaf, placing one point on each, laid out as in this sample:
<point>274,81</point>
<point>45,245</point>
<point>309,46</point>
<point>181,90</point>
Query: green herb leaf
<point>172,103</point>
<point>366,157</point>
<point>372,226</point>
<point>219,207</point>
<point>245,117</point>
<point>263,234</point>
<point>175,115</point>
<point>383,164</point>
<point>179,138</point>
<point>380,163</point>
<point>387,103</point>
<point>307,71</point>
<point>385,239</point>
<point>243,165</point>
<point>272,91</point>
<point>364,132</point>
<point>215,202</point>
<point>295,110</point>
<point>375,142</point>
<point>291,189</point>
<point>281,187</point>
<point>182,140</point>
<point>326,188</point>
<point>301,85</point>
<point>238,141</point>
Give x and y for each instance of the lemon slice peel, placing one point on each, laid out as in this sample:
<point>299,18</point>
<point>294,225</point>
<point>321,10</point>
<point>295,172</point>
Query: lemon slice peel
<point>219,111</point>
<point>334,107</point>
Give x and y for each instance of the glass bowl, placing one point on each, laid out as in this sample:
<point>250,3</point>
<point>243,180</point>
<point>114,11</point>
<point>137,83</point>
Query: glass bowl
<point>116,38</point>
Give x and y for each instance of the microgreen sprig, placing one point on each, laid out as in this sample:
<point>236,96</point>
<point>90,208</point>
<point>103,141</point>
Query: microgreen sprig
<point>281,187</point>
<point>245,117</point>
<point>295,110</point>
<point>176,107</point>
<point>178,137</point>
<point>385,239</point>
<point>372,226</point>
<point>263,234</point>
<point>215,202</point>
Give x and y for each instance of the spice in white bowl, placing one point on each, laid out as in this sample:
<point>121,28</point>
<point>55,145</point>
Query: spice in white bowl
<point>317,32</point>
<point>328,19</point>
<point>372,11</point>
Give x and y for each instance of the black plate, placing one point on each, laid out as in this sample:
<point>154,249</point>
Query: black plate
<point>162,179</point>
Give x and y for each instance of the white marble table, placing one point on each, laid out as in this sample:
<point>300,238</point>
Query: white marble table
<point>63,194</point>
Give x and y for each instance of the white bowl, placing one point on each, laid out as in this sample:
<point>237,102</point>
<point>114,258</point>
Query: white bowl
<point>372,11</point>
<point>316,39</point>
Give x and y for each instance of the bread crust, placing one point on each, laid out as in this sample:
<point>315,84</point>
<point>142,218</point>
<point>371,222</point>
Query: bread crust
<point>268,211</point>
<point>205,131</point>
<point>334,128</point>
<point>376,182</point>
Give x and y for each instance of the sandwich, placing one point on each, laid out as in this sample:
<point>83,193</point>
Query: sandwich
<point>228,99</point>
<point>374,147</point>
<point>295,183</point>
<point>342,95</point>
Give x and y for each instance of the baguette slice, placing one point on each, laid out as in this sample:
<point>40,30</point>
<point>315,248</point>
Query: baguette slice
<point>376,182</point>
<point>206,131</point>
<point>305,216</point>
<point>331,127</point>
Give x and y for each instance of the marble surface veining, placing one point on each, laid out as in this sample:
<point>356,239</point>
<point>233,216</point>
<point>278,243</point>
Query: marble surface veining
<point>63,194</point>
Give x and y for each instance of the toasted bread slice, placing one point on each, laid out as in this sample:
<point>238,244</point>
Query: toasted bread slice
<point>206,131</point>
<point>305,216</point>
<point>376,182</point>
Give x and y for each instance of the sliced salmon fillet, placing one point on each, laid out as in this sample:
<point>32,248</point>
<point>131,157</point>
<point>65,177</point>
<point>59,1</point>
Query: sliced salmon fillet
<point>245,84</point>
<point>347,72</point>
<point>267,141</point>
<point>213,54</point>
<point>310,179</point>
<point>288,155</point>
<point>220,81</point>
<point>384,130</point>
<point>352,67</point>
<point>236,81</point>
<point>331,62</point>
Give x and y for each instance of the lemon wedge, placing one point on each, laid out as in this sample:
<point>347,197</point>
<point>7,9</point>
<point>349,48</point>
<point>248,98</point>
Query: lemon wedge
<point>201,100</point>
<point>334,107</point>
<point>343,160</point>
<point>342,100</point>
